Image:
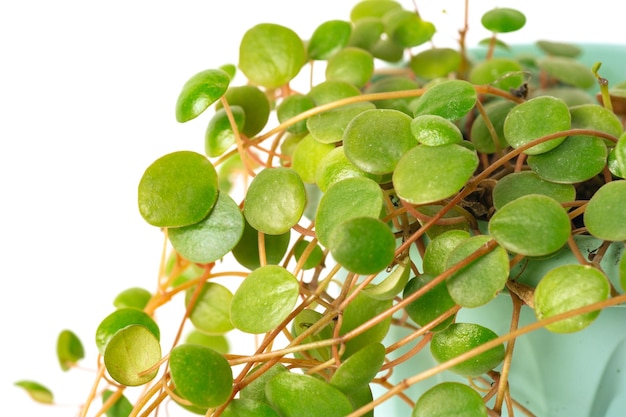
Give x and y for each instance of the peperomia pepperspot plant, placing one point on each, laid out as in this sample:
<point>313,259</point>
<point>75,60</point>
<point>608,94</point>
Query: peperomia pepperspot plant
<point>407,185</point>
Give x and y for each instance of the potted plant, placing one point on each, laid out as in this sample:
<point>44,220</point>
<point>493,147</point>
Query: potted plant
<point>408,228</point>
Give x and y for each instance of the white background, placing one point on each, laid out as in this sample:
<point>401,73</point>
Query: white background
<point>87,94</point>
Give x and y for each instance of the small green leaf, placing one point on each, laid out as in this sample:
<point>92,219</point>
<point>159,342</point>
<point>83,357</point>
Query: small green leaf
<point>392,284</point>
<point>366,32</point>
<point>219,135</point>
<point>202,90</point>
<point>566,288</point>
<point>270,55</point>
<point>622,271</point>
<point>303,321</point>
<point>605,216</point>
<point>352,65</point>
<point>503,20</point>
<point>255,105</point>
<point>211,311</point>
<point>307,156</point>
<point>372,8</point>
<point>451,99</point>
<point>503,73</point>
<point>532,225</point>
<point>255,389</point>
<point>37,392</point>
<point>329,127</point>
<point>359,369</point>
<point>298,395</point>
<point>214,236</point>
<point>568,71</point>
<point>201,375</point>
<point>218,342</point>
<point>247,250</point>
<point>315,256</point>
<point>119,319</point>
<point>620,153</point>
<point>275,200</point>
<point>292,106</point>
<point>332,90</point>
<point>431,173</point>
<point>362,309</point>
<point>264,299</point>
<point>437,251</point>
<point>69,349</point>
<point>519,184</point>
<point>435,62</point>
<point>177,189</point>
<point>120,408</point>
<point>241,407</point>
<point>481,136</point>
<point>390,83</point>
<point>134,297</point>
<point>559,48</point>
<point>407,29</point>
<point>434,130</point>
<point>130,353</point>
<point>432,304</point>
<point>328,38</point>
<point>335,166</point>
<point>450,399</point>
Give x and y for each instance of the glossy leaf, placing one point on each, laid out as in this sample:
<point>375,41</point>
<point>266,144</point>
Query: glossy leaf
<point>390,84</point>
<point>335,166</point>
<point>292,106</point>
<point>248,408</point>
<point>270,55</point>
<point>264,299</point>
<point>566,288</point>
<point>620,153</point>
<point>420,176</point>
<point>307,157</point>
<point>532,225</point>
<point>432,304</point>
<point>519,184</point>
<point>503,73</point>
<point>328,127</point>
<point>366,32</point>
<point>120,319</point>
<point>596,117</point>
<point>578,158</point>
<point>214,236</point>
<point>521,127</point>
<point>392,284</point>
<point>480,281</point>
<point>480,135</point>
<point>132,297</point>
<point>255,389</point>
<point>201,375</point>
<point>120,408</point>
<point>332,90</point>
<point>36,391</point>
<point>435,62</point>
<point>435,230</point>
<point>459,338</point>
<point>351,65</point>
<point>275,200</point>
<point>298,395</point>
<point>211,311</point>
<point>363,245</point>
<point>328,38</point>
<point>568,71</point>
<point>450,399</point>
<point>372,8</point>
<point>434,130</point>
<point>346,199</point>
<point>387,50</point>
<point>375,140</point>
<point>314,258</point>
<point>246,252</point>
<point>255,105</point>
<point>407,29</point>
<point>199,92</point>
<point>301,323</point>
<point>218,343</point>
<point>177,189</point>
<point>451,99</point>
<point>130,353</point>
<point>434,260</point>
<point>605,216</point>
<point>69,349</point>
<point>219,135</point>
<point>359,369</point>
<point>362,309</point>
<point>503,20</point>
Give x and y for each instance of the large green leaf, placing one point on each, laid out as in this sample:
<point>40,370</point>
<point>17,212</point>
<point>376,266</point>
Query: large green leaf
<point>451,99</point>
<point>211,311</point>
<point>130,353</point>
<point>605,216</point>
<point>522,183</point>
<point>119,319</point>
<point>359,369</point>
<point>199,92</point>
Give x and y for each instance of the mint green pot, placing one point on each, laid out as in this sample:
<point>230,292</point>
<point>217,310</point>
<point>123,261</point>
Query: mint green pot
<point>581,374</point>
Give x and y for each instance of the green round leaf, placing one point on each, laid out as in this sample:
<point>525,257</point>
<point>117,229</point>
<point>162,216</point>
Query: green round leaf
<point>359,369</point>
<point>255,105</point>
<point>218,342</point>
<point>271,55</point>
<point>568,71</point>
<point>503,73</point>
<point>177,189</point>
<point>346,199</point>
<point>459,338</point>
<point>559,48</point>
<point>335,167</point>
<point>392,284</point>
<point>328,127</point>
<point>246,252</point>
<point>372,8</point>
<point>364,245</point>
<point>264,299</point>
<point>596,117</point>
<point>481,136</point>
<point>328,38</point>
<point>427,174</point>
<point>435,230</point>
<point>201,375</point>
<point>605,216</point>
<point>255,389</point>
<point>450,399</point>
<point>120,319</point>
<point>292,106</point>
<point>375,140</point>
<point>480,281</point>
<point>202,90</point>
<point>522,183</point>
<point>366,32</point>
<point>393,83</point>
<point>566,288</point>
<point>387,50</point>
<point>332,90</point>
<point>503,20</point>
<point>352,65</point>
<point>362,309</point>
<point>521,127</point>
<point>577,159</point>
<point>133,297</point>
<point>305,319</point>
<point>219,135</point>
<point>214,236</point>
<point>211,311</point>
<point>307,157</point>
<point>122,407</point>
<point>451,99</point>
<point>434,130</point>
<point>434,260</point>
<point>248,408</point>
<point>314,258</point>
<point>435,62</point>
<point>275,200</point>
<point>37,391</point>
<point>298,395</point>
<point>130,352</point>
<point>431,305</point>
<point>69,349</point>
<point>531,225</point>
<point>407,29</point>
